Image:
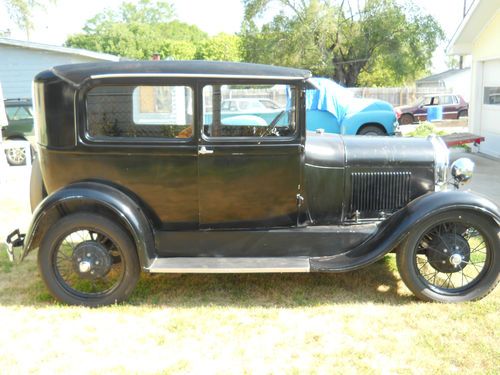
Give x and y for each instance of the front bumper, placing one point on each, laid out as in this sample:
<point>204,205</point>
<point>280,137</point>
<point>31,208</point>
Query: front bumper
<point>14,240</point>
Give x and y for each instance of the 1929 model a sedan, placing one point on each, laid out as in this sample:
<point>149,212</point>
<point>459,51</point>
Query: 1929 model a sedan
<point>140,168</point>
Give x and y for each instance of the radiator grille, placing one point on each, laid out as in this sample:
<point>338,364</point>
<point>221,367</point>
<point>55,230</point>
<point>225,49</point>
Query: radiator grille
<point>379,191</point>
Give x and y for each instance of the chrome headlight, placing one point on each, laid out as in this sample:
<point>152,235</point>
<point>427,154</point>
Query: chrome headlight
<point>441,160</point>
<point>462,170</point>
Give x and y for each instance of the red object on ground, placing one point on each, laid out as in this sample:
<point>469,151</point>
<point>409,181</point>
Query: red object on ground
<point>457,139</point>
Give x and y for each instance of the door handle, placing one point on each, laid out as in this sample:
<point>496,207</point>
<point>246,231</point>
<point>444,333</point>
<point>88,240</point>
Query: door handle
<point>203,151</point>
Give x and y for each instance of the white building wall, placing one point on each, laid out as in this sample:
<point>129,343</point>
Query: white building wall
<point>18,67</point>
<point>460,83</point>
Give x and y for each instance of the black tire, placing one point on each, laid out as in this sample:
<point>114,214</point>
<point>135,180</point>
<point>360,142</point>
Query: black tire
<point>372,130</point>
<point>114,240</point>
<point>463,113</point>
<point>406,119</point>
<point>478,287</point>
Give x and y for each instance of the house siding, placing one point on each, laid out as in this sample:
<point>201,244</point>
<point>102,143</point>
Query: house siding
<point>18,67</point>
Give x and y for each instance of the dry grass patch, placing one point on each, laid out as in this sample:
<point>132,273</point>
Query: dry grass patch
<point>362,321</point>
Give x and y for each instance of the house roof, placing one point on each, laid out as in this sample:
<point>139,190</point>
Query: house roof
<point>79,73</point>
<point>480,12</point>
<point>58,49</point>
<point>442,76</point>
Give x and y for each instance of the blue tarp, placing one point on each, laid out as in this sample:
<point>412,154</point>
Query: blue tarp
<point>340,102</point>
<point>330,97</point>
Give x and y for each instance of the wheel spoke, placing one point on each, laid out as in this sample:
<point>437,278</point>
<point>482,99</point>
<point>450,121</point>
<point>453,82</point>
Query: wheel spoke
<point>85,283</point>
<point>468,243</point>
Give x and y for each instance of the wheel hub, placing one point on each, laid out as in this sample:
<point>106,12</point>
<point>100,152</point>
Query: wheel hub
<point>449,252</point>
<point>91,260</point>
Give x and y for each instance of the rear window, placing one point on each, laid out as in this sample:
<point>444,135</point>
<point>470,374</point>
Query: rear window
<point>164,112</point>
<point>18,113</point>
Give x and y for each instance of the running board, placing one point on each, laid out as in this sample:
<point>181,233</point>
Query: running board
<point>229,265</point>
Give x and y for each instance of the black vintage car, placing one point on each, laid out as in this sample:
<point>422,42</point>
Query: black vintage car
<point>140,168</point>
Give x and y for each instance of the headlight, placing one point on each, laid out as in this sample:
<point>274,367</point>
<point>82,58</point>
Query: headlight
<point>441,160</point>
<point>462,170</point>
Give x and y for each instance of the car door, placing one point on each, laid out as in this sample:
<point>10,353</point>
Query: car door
<point>450,107</point>
<point>248,169</point>
<point>421,112</point>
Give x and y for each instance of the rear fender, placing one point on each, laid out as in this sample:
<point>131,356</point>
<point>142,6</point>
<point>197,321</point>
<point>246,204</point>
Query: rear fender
<point>95,197</point>
<point>395,229</point>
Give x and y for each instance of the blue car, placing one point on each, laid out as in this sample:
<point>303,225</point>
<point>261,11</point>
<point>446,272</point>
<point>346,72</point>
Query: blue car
<point>334,109</point>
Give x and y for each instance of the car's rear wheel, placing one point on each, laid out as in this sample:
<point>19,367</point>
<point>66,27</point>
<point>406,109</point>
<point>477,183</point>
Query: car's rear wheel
<point>406,119</point>
<point>87,259</point>
<point>372,130</point>
<point>451,257</point>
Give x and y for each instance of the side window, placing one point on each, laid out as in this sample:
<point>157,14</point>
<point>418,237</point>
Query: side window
<point>250,118</point>
<point>446,100</point>
<point>140,112</point>
<point>428,101</point>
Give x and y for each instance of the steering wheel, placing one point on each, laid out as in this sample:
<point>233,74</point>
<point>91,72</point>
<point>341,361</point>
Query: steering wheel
<point>270,128</point>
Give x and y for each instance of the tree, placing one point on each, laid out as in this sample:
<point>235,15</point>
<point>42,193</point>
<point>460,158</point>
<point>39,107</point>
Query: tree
<point>222,47</point>
<point>375,42</point>
<point>138,31</point>
<point>21,12</point>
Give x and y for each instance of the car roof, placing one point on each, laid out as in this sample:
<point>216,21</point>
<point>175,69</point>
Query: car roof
<point>16,102</point>
<point>79,73</point>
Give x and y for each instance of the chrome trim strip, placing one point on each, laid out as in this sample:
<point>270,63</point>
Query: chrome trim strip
<point>194,75</point>
<point>230,265</point>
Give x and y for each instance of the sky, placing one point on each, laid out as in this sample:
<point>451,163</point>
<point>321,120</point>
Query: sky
<point>213,16</point>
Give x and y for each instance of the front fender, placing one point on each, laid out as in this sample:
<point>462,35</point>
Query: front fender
<point>93,194</point>
<point>394,229</point>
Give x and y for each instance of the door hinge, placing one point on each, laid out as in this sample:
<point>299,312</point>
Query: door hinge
<point>300,200</point>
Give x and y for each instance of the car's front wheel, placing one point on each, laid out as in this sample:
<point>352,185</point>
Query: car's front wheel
<point>451,257</point>
<point>87,259</point>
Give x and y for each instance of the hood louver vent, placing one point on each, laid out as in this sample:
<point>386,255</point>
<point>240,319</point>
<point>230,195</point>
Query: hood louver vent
<point>379,191</point>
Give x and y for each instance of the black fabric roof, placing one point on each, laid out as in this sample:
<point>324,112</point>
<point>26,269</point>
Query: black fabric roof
<point>77,73</point>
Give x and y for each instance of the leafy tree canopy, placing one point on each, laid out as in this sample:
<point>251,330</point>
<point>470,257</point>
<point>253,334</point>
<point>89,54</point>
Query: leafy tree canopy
<point>373,42</point>
<point>139,30</point>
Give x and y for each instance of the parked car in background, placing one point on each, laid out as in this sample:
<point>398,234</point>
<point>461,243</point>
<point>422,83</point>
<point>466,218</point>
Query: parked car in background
<point>243,105</point>
<point>454,107</point>
<point>20,127</point>
<point>261,196</point>
<point>334,109</point>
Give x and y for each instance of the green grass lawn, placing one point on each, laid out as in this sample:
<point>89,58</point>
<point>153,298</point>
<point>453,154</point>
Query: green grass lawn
<point>363,321</point>
<point>358,322</point>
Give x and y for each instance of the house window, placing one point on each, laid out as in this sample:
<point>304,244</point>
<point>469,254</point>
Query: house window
<point>140,112</point>
<point>492,95</point>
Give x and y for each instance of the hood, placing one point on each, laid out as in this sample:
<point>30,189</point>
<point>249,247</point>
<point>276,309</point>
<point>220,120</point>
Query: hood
<point>339,101</point>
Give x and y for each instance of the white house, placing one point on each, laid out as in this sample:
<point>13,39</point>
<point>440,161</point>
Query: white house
<point>457,81</point>
<point>479,35</point>
<point>20,61</point>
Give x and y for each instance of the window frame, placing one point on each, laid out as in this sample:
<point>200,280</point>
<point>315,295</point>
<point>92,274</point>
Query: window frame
<point>82,113</point>
<point>297,86</point>
<point>491,105</point>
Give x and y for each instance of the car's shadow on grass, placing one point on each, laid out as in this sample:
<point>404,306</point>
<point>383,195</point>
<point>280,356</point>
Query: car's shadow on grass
<point>378,283</point>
